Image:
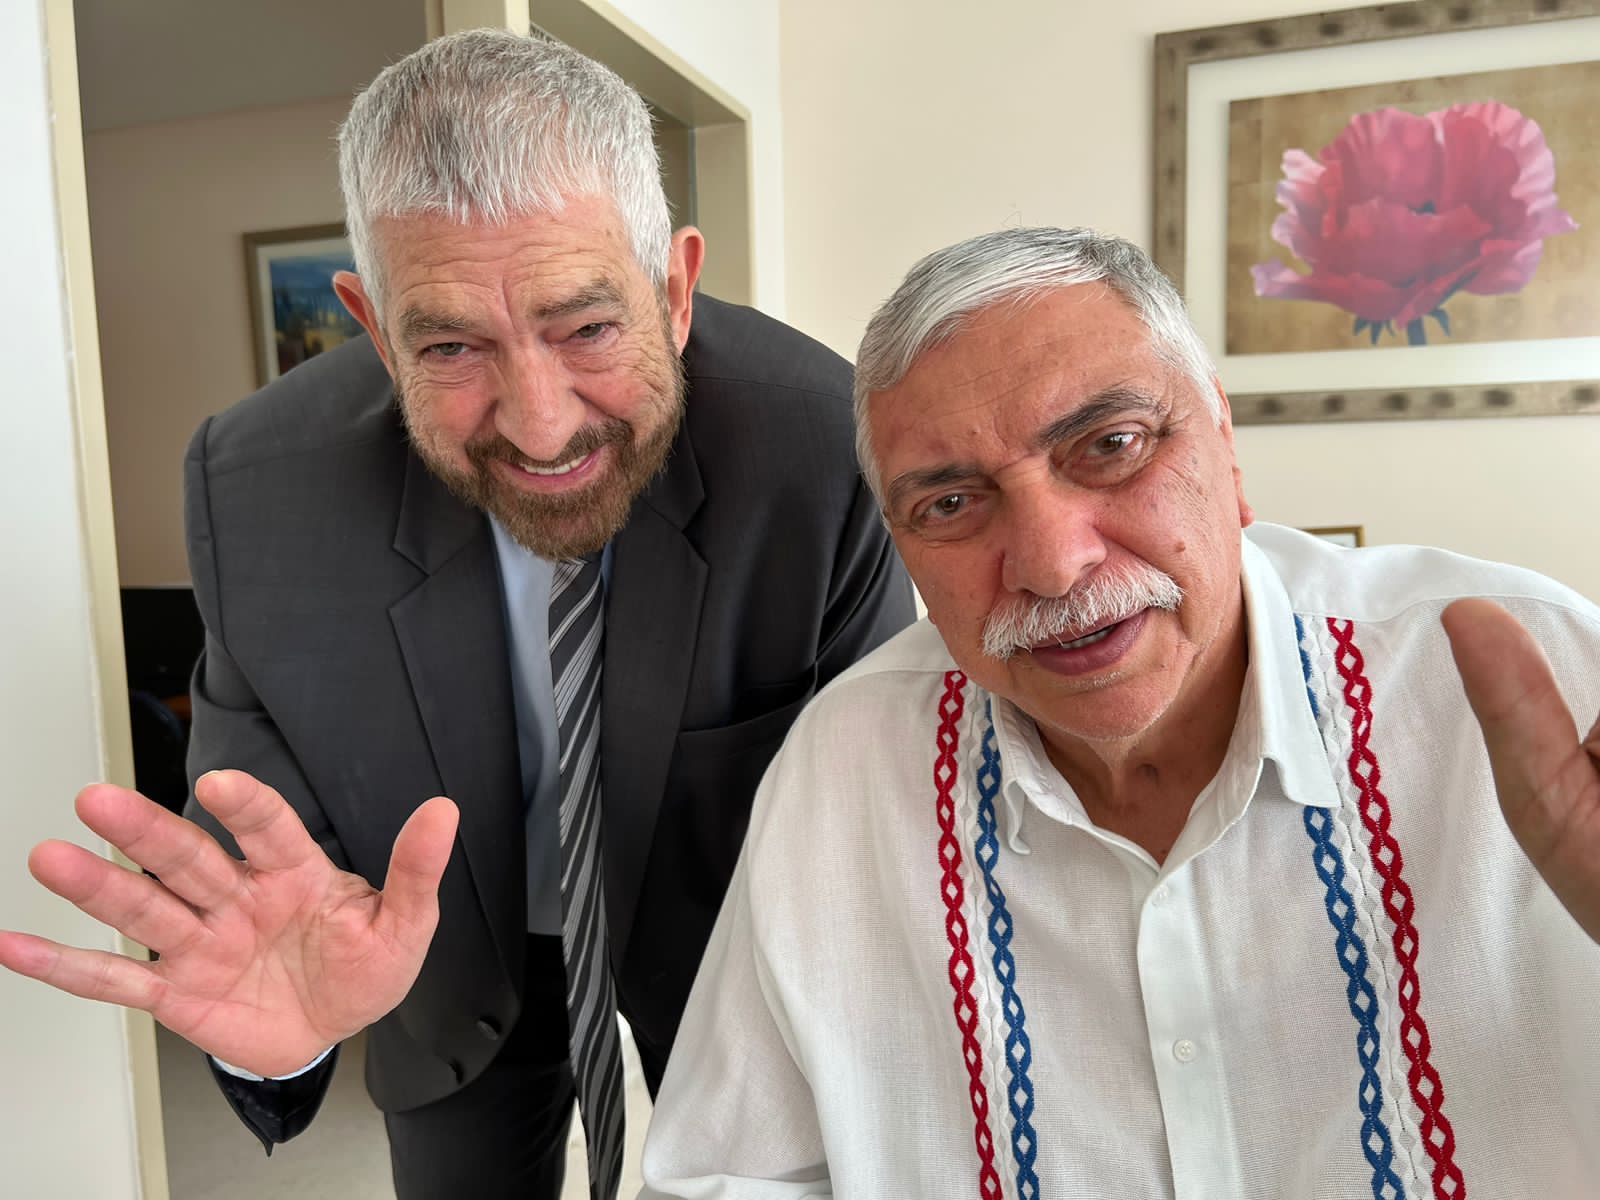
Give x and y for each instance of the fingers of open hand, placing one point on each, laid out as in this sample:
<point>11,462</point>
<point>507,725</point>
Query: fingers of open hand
<point>92,974</point>
<point>138,906</point>
<point>185,857</point>
<point>269,832</point>
<point>411,888</point>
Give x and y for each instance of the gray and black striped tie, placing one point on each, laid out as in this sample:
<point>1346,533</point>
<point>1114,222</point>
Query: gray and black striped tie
<point>576,627</point>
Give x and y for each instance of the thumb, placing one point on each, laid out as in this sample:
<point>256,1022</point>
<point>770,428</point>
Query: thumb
<point>1511,688</point>
<point>411,888</point>
<point>1527,728</point>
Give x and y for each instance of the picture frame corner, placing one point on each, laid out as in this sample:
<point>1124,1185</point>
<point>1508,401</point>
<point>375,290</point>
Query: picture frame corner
<point>1173,236</point>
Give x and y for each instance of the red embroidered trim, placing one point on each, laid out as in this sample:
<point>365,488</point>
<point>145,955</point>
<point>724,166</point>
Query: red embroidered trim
<point>945,771</point>
<point>1427,1090</point>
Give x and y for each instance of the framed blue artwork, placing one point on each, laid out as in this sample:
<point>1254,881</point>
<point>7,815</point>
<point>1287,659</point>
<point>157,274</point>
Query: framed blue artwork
<point>294,312</point>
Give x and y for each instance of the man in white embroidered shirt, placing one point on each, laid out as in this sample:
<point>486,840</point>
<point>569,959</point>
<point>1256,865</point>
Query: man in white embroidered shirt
<point>1165,861</point>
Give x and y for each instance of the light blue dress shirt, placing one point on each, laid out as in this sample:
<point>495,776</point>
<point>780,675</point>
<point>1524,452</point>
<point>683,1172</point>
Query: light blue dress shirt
<point>525,588</point>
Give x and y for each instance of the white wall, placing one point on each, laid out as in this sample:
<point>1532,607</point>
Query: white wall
<point>66,1101</point>
<point>734,43</point>
<point>168,203</point>
<point>909,124</point>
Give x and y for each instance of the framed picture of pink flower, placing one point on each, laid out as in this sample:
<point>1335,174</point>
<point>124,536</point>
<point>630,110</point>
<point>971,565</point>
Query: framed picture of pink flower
<point>1416,211</point>
<point>1388,212</point>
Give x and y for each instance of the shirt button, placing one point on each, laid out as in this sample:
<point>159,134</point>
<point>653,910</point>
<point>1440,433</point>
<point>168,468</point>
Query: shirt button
<point>1184,1050</point>
<point>1159,896</point>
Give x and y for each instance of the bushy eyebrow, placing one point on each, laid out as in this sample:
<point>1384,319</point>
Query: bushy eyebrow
<point>947,475</point>
<point>1113,402</point>
<point>418,323</point>
<point>599,293</point>
<point>1116,401</point>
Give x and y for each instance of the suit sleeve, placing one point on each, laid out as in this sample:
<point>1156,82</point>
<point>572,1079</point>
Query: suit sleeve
<point>870,596</point>
<point>232,730</point>
<point>275,1110</point>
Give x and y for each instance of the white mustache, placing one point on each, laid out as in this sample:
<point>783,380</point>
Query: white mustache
<point>1102,599</point>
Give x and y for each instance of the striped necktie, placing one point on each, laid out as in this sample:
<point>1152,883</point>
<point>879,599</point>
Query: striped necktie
<point>576,629</point>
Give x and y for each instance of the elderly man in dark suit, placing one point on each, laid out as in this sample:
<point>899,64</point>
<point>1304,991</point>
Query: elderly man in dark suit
<point>542,544</point>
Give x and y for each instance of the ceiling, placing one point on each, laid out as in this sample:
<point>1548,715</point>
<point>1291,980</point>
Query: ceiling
<point>160,60</point>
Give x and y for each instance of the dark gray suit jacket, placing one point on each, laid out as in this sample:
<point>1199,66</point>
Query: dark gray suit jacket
<point>356,658</point>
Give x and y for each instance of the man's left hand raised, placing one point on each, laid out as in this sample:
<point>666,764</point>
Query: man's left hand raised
<point>1548,780</point>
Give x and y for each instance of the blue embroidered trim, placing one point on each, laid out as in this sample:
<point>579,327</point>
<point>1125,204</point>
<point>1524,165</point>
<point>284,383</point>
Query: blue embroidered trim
<point>1376,1143</point>
<point>1019,1052</point>
<point>1305,664</point>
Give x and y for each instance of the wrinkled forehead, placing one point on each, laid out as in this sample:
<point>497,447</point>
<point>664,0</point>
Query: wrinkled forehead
<point>1020,356</point>
<point>586,220</point>
<point>540,256</point>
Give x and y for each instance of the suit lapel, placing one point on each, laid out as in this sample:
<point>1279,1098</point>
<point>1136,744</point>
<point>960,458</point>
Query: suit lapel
<point>451,630</point>
<point>653,604</point>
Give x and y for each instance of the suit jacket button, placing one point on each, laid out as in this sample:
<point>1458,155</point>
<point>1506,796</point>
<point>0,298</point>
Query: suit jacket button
<point>490,1028</point>
<point>457,1071</point>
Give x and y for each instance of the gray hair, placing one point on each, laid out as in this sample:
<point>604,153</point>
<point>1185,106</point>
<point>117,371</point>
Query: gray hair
<point>487,125</point>
<point>950,286</point>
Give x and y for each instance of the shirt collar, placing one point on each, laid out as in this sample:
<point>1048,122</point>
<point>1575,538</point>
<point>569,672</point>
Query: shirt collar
<point>1275,723</point>
<point>1290,737</point>
<point>513,555</point>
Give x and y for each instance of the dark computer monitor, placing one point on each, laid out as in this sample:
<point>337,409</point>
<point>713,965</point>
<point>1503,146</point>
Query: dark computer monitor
<point>161,636</point>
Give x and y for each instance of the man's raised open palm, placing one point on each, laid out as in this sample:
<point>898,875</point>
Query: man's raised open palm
<point>264,963</point>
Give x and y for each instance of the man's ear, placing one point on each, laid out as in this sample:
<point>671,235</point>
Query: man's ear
<point>687,256</point>
<point>1247,514</point>
<point>353,295</point>
<point>1224,410</point>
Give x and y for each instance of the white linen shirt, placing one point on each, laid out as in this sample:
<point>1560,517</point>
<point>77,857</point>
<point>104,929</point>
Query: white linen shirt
<point>931,980</point>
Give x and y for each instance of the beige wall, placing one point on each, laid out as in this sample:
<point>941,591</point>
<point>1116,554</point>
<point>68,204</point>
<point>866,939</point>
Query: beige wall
<point>167,205</point>
<point>734,44</point>
<point>913,123</point>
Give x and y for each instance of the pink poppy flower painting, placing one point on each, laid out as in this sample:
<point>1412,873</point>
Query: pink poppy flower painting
<point>1400,212</point>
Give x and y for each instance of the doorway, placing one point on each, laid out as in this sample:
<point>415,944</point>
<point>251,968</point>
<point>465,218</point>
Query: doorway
<point>207,122</point>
